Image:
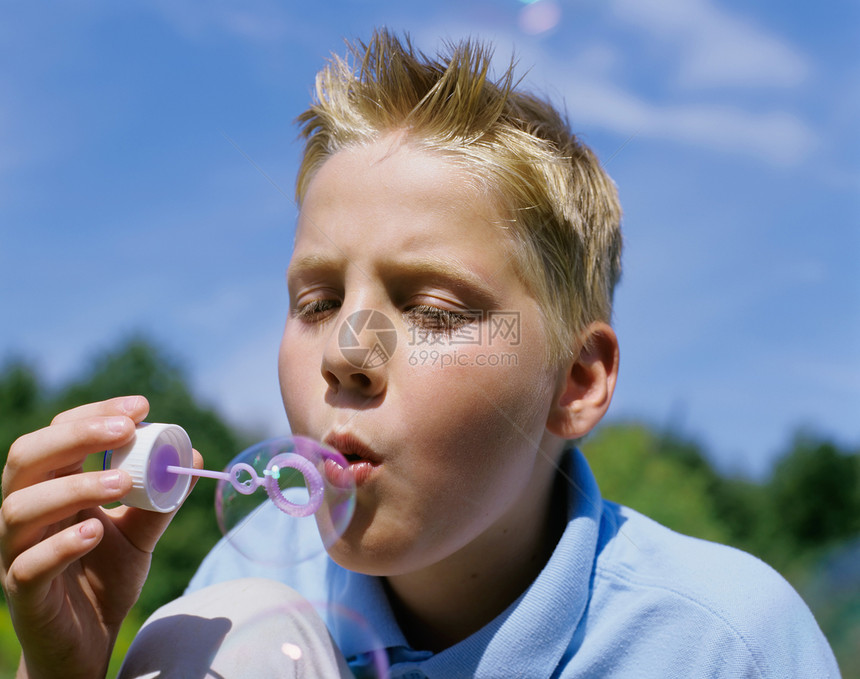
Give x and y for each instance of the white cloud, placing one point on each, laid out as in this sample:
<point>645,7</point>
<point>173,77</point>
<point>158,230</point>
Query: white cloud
<point>718,48</point>
<point>584,80</point>
<point>258,21</point>
<point>253,26</point>
<point>777,137</point>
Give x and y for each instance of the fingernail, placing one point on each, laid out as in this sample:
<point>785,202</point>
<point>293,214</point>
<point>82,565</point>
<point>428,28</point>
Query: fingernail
<point>130,403</point>
<point>116,425</point>
<point>87,530</point>
<point>112,480</point>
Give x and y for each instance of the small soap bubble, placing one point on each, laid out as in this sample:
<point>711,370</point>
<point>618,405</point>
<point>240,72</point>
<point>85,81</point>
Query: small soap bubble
<point>285,500</point>
<point>299,638</point>
<point>539,17</point>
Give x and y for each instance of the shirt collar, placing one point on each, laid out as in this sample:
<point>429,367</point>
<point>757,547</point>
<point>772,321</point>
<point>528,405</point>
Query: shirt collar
<point>530,637</point>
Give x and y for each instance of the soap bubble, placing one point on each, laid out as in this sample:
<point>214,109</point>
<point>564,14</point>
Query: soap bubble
<point>539,17</point>
<point>296,637</point>
<point>285,500</point>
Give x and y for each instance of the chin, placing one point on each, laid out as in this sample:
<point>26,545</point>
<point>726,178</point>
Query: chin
<point>359,561</point>
<point>361,556</point>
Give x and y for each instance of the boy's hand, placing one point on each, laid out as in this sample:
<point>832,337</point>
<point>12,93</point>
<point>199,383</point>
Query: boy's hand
<point>70,569</point>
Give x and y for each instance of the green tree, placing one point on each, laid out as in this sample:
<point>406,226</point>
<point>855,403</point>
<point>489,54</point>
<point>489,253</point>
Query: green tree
<point>814,490</point>
<point>22,402</point>
<point>659,475</point>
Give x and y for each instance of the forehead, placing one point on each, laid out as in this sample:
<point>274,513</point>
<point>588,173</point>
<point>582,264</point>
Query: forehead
<point>409,176</point>
<point>391,195</point>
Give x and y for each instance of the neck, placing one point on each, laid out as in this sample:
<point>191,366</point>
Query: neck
<point>447,602</point>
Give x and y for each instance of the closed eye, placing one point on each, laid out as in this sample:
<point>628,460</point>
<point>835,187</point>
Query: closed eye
<point>316,310</point>
<point>437,320</point>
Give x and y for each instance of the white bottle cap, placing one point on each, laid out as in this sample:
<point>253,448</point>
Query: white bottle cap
<point>146,457</point>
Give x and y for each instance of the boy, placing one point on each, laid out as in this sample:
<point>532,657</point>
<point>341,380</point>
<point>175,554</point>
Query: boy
<point>480,545</point>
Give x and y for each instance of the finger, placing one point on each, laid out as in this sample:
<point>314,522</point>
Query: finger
<point>43,454</point>
<point>25,514</point>
<point>29,576</point>
<point>134,407</point>
<point>143,528</point>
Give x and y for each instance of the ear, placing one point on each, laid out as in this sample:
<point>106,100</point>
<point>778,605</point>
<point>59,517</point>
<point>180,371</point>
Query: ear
<point>586,384</point>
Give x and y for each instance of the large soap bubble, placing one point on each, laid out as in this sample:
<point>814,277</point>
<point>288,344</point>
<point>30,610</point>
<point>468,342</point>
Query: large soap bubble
<point>268,493</point>
<point>292,638</point>
<point>279,502</point>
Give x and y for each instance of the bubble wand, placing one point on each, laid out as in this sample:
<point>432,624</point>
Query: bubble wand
<point>252,481</point>
<point>160,455</point>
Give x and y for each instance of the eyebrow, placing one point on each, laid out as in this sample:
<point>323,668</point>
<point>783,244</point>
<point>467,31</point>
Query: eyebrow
<point>450,270</point>
<point>313,263</point>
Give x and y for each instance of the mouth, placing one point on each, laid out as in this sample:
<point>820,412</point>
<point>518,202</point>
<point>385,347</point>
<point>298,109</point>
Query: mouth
<point>362,460</point>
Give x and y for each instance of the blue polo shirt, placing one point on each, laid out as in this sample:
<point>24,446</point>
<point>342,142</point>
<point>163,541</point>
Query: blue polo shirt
<point>621,596</point>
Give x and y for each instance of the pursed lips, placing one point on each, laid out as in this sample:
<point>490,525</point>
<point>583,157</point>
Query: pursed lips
<point>362,459</point>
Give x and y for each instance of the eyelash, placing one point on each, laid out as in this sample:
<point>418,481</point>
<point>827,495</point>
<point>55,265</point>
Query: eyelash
<point>314,310</point>
<point>437,320</point>
<point>424,316</point>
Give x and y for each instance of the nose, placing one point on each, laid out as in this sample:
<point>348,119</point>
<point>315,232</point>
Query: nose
<point>357,353</point>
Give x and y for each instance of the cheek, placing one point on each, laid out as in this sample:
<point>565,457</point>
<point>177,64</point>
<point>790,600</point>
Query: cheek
<point>477,445</point>
<point>484,422</point>
<point>488,419</point>
<point>496,389</point>
<point>295,371</point>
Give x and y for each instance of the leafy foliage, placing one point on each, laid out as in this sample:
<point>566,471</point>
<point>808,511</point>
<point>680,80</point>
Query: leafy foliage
<point>816,493</point>
<point>636,467</point>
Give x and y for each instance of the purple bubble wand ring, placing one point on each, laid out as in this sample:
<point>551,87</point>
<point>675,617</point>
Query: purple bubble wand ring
<point>245,480</point>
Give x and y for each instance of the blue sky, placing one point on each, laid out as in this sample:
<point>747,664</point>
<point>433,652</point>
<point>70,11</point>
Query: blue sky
<point>147,156</point>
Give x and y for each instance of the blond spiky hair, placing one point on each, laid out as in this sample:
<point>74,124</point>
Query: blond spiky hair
<point>563,208</point>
